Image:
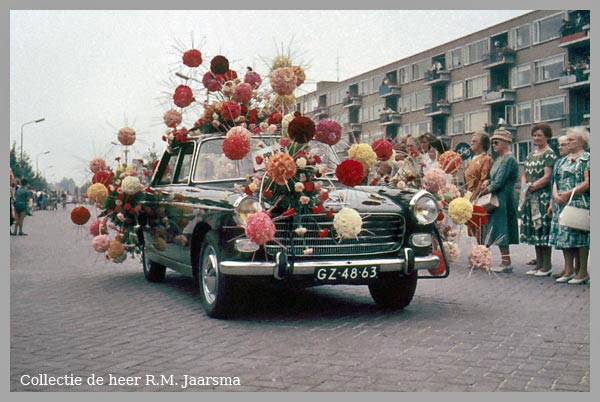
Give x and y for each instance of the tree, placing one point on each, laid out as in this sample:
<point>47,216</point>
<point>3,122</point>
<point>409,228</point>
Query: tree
<point>23,169</point>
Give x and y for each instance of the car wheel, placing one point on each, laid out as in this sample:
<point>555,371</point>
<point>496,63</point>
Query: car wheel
<point>215,288</point>
<point>394,292</point>
<point>153,271</point>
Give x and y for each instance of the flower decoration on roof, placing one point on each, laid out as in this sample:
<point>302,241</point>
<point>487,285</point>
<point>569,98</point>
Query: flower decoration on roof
<point>328,131</point>
<point>236,144</point>
<point>362,153</point>
<point>301,129</point>
<point>126,136</point>
<point>383,149</point>
<point>192,58</point>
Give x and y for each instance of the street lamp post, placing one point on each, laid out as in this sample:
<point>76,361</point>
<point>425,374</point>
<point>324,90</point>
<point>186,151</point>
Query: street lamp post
<point>37,158</point>
<point>23,125</point>
<point>49,167</point>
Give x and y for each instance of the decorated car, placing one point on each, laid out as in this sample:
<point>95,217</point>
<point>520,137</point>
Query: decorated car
<point>194,221</point>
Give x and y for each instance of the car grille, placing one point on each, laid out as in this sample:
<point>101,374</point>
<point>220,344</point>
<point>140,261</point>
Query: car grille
<point>381,234</point>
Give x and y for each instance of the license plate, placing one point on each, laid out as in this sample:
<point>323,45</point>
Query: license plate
<point>333,275</point>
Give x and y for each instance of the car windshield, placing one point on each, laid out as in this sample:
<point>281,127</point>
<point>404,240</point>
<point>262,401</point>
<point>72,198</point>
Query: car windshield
<point>213,165</point>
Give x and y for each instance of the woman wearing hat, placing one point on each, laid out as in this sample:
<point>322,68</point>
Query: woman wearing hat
<point>501,228</point>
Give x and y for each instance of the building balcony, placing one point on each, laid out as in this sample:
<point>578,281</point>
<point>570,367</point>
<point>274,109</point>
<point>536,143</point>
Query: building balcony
<point>573,35</point>
<point>321,111</point>
<point>352,101</point>
<point>352,127</point>
<point>390,118</point>
<point>580,79</point>
<point>576,119</point>
<point>437,109</point>
<point>387,90</point>
<point>500,57</point>
<point>437,77</point>
<point>501,96</point>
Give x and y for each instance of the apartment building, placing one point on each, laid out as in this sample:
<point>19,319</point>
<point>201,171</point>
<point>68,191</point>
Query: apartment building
<point>533,68</point>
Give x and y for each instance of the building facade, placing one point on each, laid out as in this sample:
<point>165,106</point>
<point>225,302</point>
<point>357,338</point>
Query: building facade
<point>530,69</point>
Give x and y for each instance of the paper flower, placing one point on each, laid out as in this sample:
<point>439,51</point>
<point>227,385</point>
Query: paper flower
<point>219,65</point>
<point>236,144</point>
<point>450,162</point>
<point>301,129</point>
<point>283,80</point>
<point>230,110</point>
<point>131,185</point>
<point>460,210</point>
<point>300,75</point>
<point>172,118</point>
<point>362,153</point>
<point>98,227</point>
<point>101,243</point>
<point>97,193</point>
<point>115,251</point>
<point>328,131</point>
<point>260,228</point>
<point>383,148</point>
<point>252,78</point>
<point>347,223</point>
<point>281,61</point>
<point>103,177</point>
<point>275,118</point>
<point>450,192</point>
<point>350,172</point>
<point>183,96</point>
<point>280,168</point>
<point>126,136</point>
<point>97,164</point>
<point>284,101</point>
<point>452,251</point>
<point>243,93</point>
<point>441,268</point>
<point>434,180</point>
<point>80,215</point>
<point>192,58</point>
<point>480,257</point>
<point>210,82</point>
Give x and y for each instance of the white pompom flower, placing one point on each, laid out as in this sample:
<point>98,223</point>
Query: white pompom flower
<point>347,223</point>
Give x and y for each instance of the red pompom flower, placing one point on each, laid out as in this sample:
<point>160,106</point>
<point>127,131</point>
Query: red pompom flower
<point>450,162</point>
<point>383,148</point>
<point>230,110</point>
<point>301,129</point>
<point>219,64</point>
<point>183,96</point>
<point>192,58</point>
<point>236,144</point>
<point>80,215</point>
<point>350,172</point>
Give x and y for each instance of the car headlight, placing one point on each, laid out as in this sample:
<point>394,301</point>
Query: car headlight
<point>244,206</point>
<point>424,208</point>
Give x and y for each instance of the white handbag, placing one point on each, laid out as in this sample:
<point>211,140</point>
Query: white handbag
<point>489,202</point>
<point>575,218</point>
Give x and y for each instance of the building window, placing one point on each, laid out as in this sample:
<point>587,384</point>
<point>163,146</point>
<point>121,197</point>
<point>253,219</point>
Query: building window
<point>421,98</point>
<point>518,114</point>
<point>376,82</point>
<point>455,91</point>
<point>365,114</point>
<point>404,74</point>
<point>549,108</point>
<point>521,75</point>
<point>521,150</point>
<point>418,69</point>
<point>404,106</point>
<point>365,87</point>
<point>520,37</point>
<point>475,121</point>
<point>549,69</point>
<point>475,86</point>
<point>456,124</point>
<point>454,58</point>
<point>406,129</point>
<point>547,29</point>
<point>476,51</point>
<point>420,127</point>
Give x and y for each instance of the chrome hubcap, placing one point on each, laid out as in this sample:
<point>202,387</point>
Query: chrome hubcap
<point>210,276</point>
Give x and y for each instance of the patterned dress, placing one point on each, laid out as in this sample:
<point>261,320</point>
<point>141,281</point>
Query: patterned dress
<point>569,173</point>
<point>535,222</point>
<point>501,229</point>
<point>477,171</point>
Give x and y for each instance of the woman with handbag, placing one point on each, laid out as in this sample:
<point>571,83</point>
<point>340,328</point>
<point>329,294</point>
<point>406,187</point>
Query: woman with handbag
<point>500,229</point>
<point>571,188</point>
<point>535,199</point>
<point>476,172</point>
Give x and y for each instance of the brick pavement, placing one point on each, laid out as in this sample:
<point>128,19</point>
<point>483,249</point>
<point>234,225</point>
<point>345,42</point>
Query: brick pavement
<point>74,313</point>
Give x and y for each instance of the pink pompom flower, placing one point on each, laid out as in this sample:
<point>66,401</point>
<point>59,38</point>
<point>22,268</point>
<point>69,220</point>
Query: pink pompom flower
<point>480,257</point>
<point>283,81</point>
<point>260,228</point>
<point>172,118</point>
<point>243,93</point>
<point>280,168</point>
<point>434,180</point>
<point>236,144</point>
<point>101,243</point>
<point>328,131</point>
<point>97,164</point>
<point>126,136</point>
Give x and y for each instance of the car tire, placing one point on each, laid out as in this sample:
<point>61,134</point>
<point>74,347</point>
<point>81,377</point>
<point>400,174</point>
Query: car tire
<point>394,292</point>
<point>216,288</point>
<point>153,271</point>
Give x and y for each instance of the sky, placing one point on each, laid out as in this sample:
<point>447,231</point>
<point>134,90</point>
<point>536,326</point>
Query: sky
<point>90,73</point>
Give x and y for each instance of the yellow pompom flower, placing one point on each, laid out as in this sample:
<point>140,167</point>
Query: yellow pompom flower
<point>97,193</point>
<point>460,210</point>
<point>362,153</point>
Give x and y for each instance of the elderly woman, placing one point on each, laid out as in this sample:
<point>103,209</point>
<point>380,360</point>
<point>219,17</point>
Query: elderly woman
<point>572,178</point>
<point>535,185</point>
<point>478,169</point>
<point>500,229</point>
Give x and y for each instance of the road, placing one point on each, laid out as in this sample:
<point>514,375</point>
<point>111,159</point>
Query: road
<point>75,315</point>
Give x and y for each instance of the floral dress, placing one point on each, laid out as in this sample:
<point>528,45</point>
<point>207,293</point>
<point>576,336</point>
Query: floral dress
<point>569,173</point>
<point>535,222</point>
<point>477,171</point>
